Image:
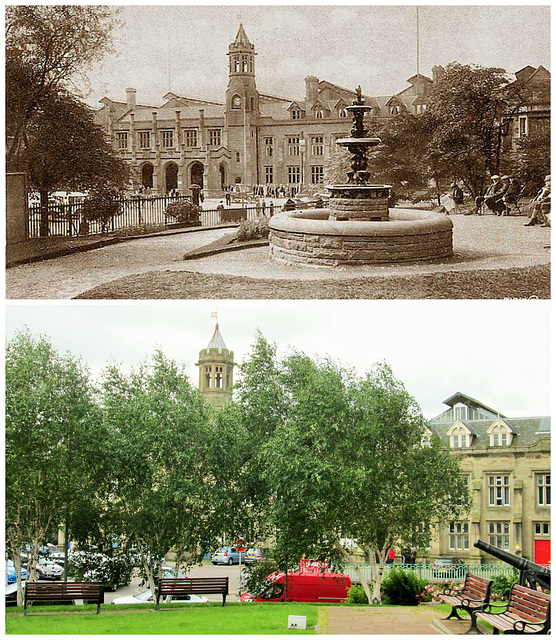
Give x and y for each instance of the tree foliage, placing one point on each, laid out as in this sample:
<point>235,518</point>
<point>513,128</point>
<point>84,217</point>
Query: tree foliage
<point>52,435</point>
<point>162,486</point>
<point>345,458</point>
<point>46,47</point>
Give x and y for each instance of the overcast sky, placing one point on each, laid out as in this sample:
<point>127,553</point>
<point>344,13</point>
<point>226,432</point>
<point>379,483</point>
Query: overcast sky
<point>183,48</point>
<point>496,353</point>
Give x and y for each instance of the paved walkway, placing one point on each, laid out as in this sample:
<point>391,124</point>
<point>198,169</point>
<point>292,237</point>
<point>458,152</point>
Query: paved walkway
<point>422,620</point>
<point>480,242</point>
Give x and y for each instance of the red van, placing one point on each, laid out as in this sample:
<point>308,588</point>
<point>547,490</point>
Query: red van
<point>309,584</point>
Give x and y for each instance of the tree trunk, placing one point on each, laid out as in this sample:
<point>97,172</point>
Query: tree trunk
<point>357,570</point>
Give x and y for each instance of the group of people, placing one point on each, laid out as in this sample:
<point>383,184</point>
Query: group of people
<point>500,196</point>
<point>409,556</point>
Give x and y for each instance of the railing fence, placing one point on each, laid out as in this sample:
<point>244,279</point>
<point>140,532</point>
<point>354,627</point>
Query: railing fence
<point>67,219</point>
<point>431,573</point>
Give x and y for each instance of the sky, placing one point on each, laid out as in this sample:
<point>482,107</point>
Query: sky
<point>497,354</point>
<point>183,48</point>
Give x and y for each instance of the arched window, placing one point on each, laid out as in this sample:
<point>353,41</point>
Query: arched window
<point>459,436</point>
<point>237,66</point>
<point>236,102</point>
<point>319,114</point>
<point>342,113</point>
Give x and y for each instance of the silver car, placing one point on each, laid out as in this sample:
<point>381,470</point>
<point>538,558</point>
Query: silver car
<point>227,555</point>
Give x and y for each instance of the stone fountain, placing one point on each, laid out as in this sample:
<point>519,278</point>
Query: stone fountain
<point>358,228</point>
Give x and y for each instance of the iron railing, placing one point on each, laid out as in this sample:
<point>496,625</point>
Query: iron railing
<point>436,574</point>
<point>67,220</point>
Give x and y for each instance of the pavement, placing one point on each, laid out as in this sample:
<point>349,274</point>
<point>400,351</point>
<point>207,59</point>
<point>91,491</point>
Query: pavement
<point>422,620</point>
<point>480,242</point>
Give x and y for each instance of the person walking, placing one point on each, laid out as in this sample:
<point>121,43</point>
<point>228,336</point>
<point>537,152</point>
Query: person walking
<point>457,197</point>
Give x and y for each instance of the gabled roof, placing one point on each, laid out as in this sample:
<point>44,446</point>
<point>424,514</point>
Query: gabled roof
<point>418,77</point>
<point>459,397</point>
<point>296,105</point>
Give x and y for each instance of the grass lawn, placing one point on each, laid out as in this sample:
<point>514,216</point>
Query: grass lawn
<point>248,618</point>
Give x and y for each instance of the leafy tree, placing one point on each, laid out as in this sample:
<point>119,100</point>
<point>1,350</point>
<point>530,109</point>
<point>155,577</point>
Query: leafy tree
<point>346,459</point>
<point>530,160</point>
<point>46,47</point>
<point>162,486</point>
<point>52,442</point>
<point>65,149</point>
<point>469,108</point>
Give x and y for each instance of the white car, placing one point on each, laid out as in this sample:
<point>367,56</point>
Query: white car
<point>147,596</point>
<point>49,570</point>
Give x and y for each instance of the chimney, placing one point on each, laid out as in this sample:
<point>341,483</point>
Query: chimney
<point>311,89</point>
<point>437,73</point>
<point>131,98</point>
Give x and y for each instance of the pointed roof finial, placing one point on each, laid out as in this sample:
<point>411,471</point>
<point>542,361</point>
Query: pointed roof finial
<point>241,37</point>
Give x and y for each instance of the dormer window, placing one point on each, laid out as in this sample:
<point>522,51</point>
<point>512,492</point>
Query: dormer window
<point>319,114</point>
<point>296,114</point>
<point>500,434</point>
<point>342,113</point>
<point>460,436</point>
<point>395,110</point>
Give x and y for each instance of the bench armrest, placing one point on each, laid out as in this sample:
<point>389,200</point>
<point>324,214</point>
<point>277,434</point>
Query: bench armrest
<point>487,608</point>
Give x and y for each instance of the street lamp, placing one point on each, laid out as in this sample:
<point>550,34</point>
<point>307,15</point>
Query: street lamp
<point>302,143</point>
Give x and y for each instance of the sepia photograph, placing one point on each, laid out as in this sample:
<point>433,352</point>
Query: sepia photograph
<point>371,152</point>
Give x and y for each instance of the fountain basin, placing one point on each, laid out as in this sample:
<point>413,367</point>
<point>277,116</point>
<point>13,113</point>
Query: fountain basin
<point>309,237</point>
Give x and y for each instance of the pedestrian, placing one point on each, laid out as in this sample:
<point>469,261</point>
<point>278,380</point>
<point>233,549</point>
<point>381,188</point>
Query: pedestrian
<point>540,206</point>
<point>271,208</point>
<point>413,555</point>
<point>457,196</point>
<point>228,197</point>
<point>220,206</point>
<point>391,557</point>
<point>406,556</point>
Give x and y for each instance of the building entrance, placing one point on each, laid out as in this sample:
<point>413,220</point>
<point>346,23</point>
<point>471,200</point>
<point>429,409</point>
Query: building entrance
<point>197,174</point>
<point>147,176</point>
<point>171,176</point>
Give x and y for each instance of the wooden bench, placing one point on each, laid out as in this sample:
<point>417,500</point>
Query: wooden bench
<point>527,611</point>
<point>62,591</point>
<point>188,586</point>
<point>475,594</point>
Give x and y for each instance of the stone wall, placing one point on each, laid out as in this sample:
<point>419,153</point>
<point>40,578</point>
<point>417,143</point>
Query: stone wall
<point>308,238</point>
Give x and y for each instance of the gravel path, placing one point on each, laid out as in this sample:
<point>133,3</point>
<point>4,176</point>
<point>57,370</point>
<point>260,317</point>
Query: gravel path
<point>494,257</point>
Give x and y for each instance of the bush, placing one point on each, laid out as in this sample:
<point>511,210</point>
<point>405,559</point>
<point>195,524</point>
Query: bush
<point>402,586</point>
<point>502,585</point>
<point>102,205</point>
<point>184,211</point>
<point>91,565</point>
<point>357,595</point>
<point>253,229</point>
<point>431,592</point>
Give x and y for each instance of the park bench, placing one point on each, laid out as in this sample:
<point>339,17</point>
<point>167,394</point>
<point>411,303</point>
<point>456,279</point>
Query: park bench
<point>188,586</point>
<point>63,591</point>
<point>475,594</point>
<point>527,611</point>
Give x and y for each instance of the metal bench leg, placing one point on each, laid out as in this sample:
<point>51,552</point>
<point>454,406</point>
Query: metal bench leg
<point>223,599</point>
<point>473,627</point>
<point>454,613</point>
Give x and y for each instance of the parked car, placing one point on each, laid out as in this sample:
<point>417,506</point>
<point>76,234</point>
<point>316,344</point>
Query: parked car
<point>168,572</point>
<point>256,554</point>
<point>47,570</point>
<point>451,567</point>
<point>10,572</point>
<point>147,596</point>
<point>309,584</point>
<point>227,555</point>
<point>11,594</point>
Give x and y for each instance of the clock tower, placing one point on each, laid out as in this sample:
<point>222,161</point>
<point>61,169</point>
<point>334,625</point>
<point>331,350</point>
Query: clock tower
<point>242,108</point>
<point>216,371</point>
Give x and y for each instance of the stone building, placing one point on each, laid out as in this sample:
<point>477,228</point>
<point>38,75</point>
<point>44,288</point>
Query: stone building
<point>250,138</point>
<point>216,371</point>
<point>507,462</point>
